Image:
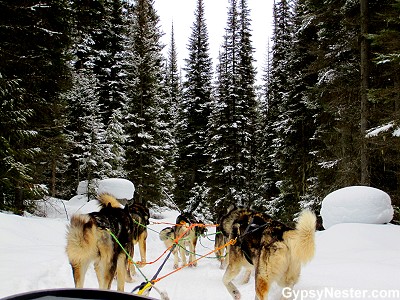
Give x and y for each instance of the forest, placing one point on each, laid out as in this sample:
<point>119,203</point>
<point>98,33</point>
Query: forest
<point>86,93</point>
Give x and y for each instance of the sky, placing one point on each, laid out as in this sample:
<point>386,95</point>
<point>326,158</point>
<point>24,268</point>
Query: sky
<point>181,13</point>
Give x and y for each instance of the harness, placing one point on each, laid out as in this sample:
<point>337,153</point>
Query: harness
<point>251,228</point>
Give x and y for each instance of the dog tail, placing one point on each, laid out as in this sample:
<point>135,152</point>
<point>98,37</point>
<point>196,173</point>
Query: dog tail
<point>304,245</point>
<point>108,199</point>
<point>166,234</point>
<point>81,240</point>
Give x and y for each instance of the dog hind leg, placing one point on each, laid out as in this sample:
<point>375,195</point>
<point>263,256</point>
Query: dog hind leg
<point>230,273</point>
<point>176,257</point>
<point>142,248</point>
<point>79,270</point>
<point>262,288</point>
<point>192,254</point>
<point>246,277</point>
<point>182,251</point>
<point>105,266</point>
<point>110,273</point>
<point>121,271</point>
<point>291,277</point>
<point>131,267</point>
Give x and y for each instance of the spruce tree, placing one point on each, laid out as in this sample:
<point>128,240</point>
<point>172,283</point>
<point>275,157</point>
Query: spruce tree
<point>109,61</point>
<point>194,112</point>
<point>145,148</point>
<point>16,175</point>
<point>295,124</point>
<point>173,97</point>
<point>248,119</point>
<point>35,37</point>
<point>233,126</point>
<point>337,91</point>
<point>384,94</point>
<point>99,61</point>
<point>86,131</point>
<point>276,184</point>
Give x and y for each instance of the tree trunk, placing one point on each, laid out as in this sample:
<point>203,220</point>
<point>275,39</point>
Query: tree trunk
<point>363,92</point>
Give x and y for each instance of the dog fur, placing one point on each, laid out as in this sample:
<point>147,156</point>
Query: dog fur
<point>220,240</point>
<point>89,241</point>
<point>274,250</point>
<point>140,215</point>
<point>187,240</point>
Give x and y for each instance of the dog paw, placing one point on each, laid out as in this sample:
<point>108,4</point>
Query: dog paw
<point>141,264</point>
<point>175,266</point>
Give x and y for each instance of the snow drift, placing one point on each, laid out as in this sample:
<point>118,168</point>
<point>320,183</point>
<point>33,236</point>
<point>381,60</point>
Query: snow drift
<point>349,258</point>
<point>356,204</point>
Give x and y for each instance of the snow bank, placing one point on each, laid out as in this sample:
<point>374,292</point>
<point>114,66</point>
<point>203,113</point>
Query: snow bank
<point>356,204</point>
<point>361,257</point>
<point>118,187</point>
<point>355,256</point>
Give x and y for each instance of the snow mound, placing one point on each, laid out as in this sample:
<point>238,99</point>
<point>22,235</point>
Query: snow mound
<point>118,187</point>
<point>356,204</point>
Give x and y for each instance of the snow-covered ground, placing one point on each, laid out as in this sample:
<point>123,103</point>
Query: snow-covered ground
<point>352,261</point>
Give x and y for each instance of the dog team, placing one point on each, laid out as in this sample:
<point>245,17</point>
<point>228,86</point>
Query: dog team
<point>274,251</point>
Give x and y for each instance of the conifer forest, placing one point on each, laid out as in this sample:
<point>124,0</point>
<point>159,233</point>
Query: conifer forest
<point>87,93</point>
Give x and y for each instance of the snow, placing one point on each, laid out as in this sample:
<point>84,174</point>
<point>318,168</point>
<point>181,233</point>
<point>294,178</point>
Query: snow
<point>396,132</point>
<point>118,187</point>
<point>350,259</point>
<point>356,204</point>
<point>374,132</point>
<point>377,130</point>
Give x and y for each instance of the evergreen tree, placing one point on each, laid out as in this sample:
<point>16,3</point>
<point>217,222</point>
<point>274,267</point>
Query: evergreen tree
<point>384,95</point>
<point>145,160</point>
<point>294,126</point>
<point>248,108</point>
<point>109,61</point>
<point>87,133</point>
<point>223,127</point>
<point>35,36</point>
<point>233,126</point>
<point>100,63</point>
<point>173,98</point>
<point>337,91</point>
<point>277,91</point>
<point>194,112</point>
<point>15,171</point>
<point>115,139</point>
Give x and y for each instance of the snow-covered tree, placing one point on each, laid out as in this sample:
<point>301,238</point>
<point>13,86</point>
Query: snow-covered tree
<point>15,171</point>
<point>233,123</point>
<point>147,142</point>
<point>87,132</point>
<point>34,38</point>
<point>194,111</point>
<point>172,99</point>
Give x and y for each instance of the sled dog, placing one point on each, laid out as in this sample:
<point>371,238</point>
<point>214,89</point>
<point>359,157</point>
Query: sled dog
<point>140,215</point>
<point>221,238</point>
<point>89,241</point>
<point>275,250</point>
<point>188,240</point>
